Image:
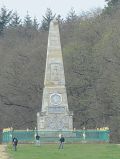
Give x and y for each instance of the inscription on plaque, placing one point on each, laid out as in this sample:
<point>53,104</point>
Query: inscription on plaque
<point>55,72</point>
<point>55,122</point>
<point>56,109</point>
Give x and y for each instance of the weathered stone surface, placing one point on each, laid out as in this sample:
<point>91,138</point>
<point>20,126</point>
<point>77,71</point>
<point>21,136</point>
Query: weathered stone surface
<point>54,114</point>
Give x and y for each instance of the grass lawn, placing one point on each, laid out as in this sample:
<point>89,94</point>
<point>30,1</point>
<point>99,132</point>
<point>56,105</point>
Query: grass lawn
<point>70,151</point>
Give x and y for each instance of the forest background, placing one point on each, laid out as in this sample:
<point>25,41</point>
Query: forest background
<point>91,55</point>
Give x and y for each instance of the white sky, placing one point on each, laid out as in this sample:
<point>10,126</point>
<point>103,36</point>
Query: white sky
<point>38,7</point>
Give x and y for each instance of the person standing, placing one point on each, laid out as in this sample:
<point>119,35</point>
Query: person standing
<point>62,140</point>
<point>15,142</point>
<point>37,140</point>
<point>59,135</point>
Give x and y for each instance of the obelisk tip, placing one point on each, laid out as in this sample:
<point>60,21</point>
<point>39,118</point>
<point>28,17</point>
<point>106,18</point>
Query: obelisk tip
<point>55,21</point>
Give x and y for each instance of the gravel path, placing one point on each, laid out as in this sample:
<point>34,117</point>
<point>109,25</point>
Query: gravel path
<point>3,154</point>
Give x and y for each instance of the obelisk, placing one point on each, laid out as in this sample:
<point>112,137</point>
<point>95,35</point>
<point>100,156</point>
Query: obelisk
<point>55,114</point>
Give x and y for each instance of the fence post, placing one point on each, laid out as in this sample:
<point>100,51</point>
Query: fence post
<point>1,134</point>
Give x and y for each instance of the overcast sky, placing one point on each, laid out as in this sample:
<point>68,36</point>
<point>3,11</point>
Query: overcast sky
<point>37,8</point>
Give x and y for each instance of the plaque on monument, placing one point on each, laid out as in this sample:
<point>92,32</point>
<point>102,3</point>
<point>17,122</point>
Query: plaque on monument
<point>55,99</point>
<point>55,72</point>
<point>56,109</point>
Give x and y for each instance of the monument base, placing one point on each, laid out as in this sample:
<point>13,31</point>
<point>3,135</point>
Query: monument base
<point>54,121</point>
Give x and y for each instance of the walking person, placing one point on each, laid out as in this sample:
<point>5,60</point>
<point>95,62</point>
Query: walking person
<point>62,140</point>
<point>15,142</point>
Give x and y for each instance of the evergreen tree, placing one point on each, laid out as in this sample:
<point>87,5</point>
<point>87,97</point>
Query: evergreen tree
<point>60,19</point>
<point>71,17</point>
<point>16,21</point>
<point>35,23</point>
<point>28,21</point>
<point>112,2</point>
<point>112,6</point>
<point>5,17</point>
<point>46,19</point>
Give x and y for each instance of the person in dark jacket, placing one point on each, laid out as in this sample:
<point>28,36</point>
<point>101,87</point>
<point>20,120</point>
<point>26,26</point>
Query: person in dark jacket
<point>15,142</point>
<point>37,140</point>
<point>62,140</point>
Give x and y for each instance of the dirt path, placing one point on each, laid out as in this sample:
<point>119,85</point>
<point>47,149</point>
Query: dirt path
<point>3,154</point>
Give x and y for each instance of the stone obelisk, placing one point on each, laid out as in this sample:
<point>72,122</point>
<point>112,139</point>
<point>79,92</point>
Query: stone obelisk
<point>54,114</point>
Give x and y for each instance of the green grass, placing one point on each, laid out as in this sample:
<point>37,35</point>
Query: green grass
<point>70,151</point>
